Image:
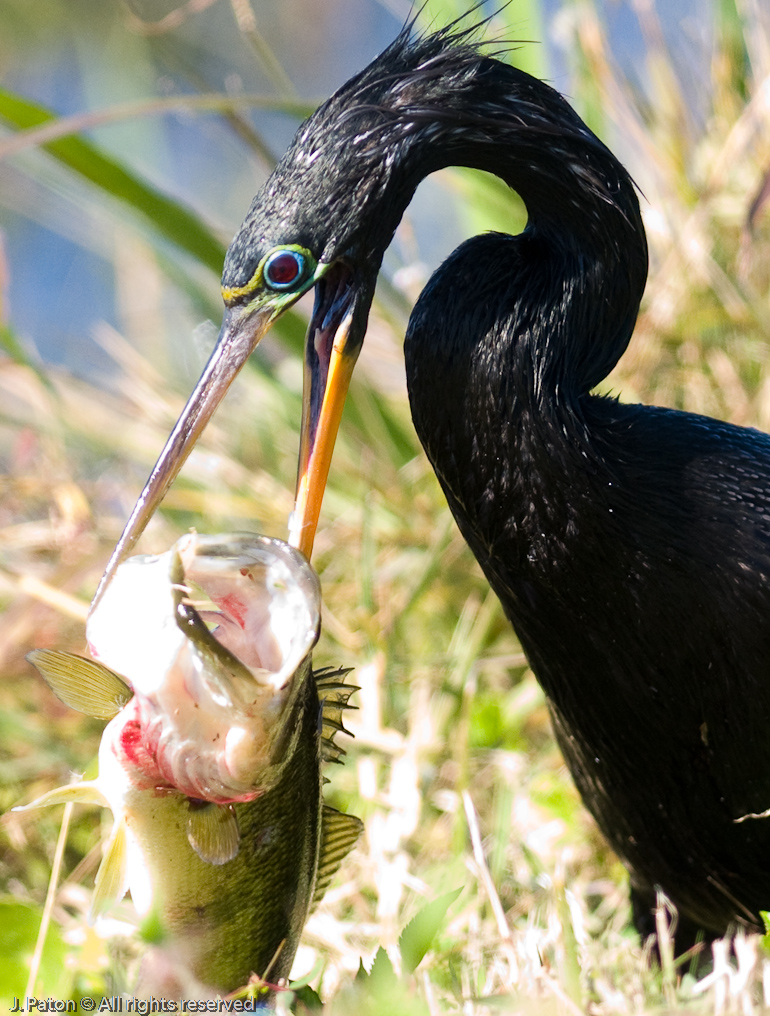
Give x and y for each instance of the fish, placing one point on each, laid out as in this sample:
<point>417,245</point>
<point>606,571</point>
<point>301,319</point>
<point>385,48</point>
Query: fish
<point>211,762</point>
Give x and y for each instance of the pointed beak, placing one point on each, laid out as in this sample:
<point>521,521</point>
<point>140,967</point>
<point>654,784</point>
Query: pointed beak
<point>242,329</point>
<point>332,346</point>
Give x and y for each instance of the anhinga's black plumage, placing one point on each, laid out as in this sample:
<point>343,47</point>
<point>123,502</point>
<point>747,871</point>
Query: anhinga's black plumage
<point>629,545</point>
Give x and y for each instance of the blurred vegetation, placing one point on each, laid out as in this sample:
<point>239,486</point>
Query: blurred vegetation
<point>453,768</point>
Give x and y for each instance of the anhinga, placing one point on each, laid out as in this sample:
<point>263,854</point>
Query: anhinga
<point>629,545</point>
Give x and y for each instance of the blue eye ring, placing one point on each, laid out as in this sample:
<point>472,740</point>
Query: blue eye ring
<point>288,268</point>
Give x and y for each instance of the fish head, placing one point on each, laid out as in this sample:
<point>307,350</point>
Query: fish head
<point>214,638</point>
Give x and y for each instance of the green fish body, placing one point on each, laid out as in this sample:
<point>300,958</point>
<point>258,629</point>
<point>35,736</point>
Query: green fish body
<point>211,761</point>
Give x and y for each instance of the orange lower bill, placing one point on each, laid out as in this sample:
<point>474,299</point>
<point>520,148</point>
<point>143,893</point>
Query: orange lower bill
<point>319,435</point>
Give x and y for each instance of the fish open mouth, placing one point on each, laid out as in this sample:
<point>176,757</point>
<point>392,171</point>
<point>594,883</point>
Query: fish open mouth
<point>214,637</point>
<point>263,601</point>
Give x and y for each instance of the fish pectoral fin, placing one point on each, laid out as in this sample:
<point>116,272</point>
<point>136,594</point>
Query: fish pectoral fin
<point>82,684</point>
<point>85,792</point>
<point>339,834</point>
<point>112,877</point>
<point>212,830</point>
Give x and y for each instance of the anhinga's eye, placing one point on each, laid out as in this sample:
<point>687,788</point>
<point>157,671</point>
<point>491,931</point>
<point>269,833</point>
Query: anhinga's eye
<point>283,269</point>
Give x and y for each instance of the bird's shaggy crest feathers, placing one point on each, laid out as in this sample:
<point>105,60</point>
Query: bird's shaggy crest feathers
<point>424,103</point>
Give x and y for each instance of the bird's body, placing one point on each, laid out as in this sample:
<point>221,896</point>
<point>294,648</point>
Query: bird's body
<point>629,545</point>
<point>630,549</point>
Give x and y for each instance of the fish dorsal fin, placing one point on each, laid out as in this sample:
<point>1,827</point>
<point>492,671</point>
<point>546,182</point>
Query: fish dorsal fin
<point>85,792</point>
<point>212,830</point>
<point>112,877</point>
<point>339,834</point>
<point>82,684</point>
<point>333,695</point>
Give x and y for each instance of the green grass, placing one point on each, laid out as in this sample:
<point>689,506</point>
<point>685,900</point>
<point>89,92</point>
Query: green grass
<point>453,768</point>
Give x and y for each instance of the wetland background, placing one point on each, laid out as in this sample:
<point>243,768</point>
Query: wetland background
<point>132,138</point>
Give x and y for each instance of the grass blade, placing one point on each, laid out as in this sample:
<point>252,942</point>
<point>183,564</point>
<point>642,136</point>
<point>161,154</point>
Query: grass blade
<point>167,216</point>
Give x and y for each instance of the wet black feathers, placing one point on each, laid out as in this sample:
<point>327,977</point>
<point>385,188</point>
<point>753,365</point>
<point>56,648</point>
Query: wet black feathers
<point>629,545</point>
<point>423,104</point>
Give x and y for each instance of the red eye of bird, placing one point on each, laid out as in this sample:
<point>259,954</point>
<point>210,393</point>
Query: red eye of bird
<point>283,269</point>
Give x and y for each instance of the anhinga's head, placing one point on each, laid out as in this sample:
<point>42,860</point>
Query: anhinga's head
<point>328,212</point>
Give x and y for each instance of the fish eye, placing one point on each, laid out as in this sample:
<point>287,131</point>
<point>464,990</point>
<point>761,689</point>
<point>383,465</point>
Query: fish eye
<point>283,268</point>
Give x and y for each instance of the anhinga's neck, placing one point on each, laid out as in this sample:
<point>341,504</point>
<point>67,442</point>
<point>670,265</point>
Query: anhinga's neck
<point>584,230</point>
<point>511,333</point>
